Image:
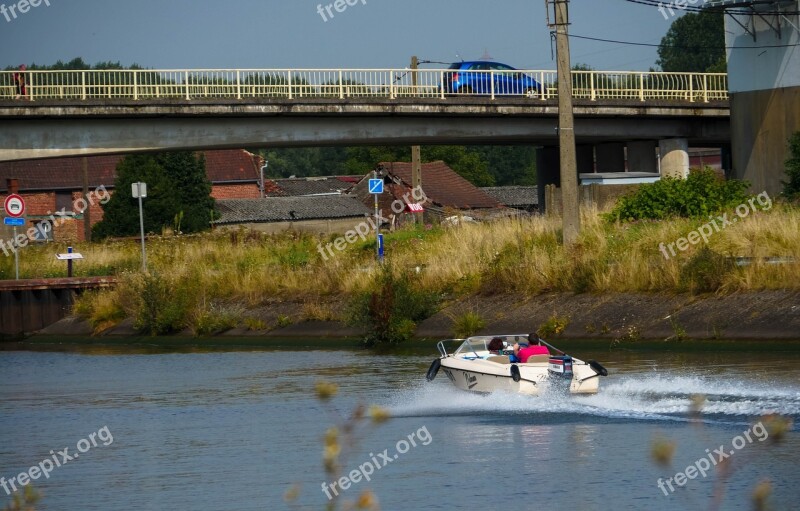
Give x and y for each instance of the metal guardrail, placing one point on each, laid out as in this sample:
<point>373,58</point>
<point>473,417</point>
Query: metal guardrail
<point>290,84</point>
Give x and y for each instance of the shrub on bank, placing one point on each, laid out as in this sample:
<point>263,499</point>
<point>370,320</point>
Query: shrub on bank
<point>391,307</point>
<point>791,188</point>
<point>702,193</point>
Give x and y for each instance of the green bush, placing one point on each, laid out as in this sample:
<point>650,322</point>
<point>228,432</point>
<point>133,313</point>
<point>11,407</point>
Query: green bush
<point>699,195</point>
<point>554,326</point>
<point>213,318</point>
<point>791,188</point>
<point>468,324</point>
<point>161,306</point>
<point>706,271</point>
<point>390,311</point>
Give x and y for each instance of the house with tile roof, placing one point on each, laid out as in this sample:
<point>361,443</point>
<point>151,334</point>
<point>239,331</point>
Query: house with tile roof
<point>523,198</point>
<point>445,193</point>
<point>309,186</point>
<point>321,214</point>
<point>52,185</point>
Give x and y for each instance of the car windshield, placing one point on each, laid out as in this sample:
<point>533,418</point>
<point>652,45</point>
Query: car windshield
<point>456,65</point>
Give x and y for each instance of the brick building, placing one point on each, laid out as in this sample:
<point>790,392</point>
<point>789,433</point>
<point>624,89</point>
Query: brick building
<point>53,189</point>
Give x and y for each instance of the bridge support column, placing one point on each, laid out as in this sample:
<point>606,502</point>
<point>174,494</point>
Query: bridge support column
<point>548,172</point>
<point>610,157</point>
<point>726,155</point>
<point>585,157</point>
<point>642,156</point>
<point>674,157</point>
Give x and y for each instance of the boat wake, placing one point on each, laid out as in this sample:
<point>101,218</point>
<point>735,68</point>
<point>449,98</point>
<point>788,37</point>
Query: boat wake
<point>639,397</point>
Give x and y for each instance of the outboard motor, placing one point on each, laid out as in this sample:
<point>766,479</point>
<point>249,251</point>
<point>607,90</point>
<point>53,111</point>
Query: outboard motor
<point>560,367</point>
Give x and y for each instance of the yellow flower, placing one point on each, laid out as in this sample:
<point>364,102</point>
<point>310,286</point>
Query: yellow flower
<point>367,500</point>
<point>292,493</point>
<point>326,390</point>
<point>378,414</point>
<point>662,451</point>
<point>760,495</point>
<point>777,426</point>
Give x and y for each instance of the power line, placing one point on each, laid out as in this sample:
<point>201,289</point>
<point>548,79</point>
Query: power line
<point>681,47</point>
<point>662,5</point>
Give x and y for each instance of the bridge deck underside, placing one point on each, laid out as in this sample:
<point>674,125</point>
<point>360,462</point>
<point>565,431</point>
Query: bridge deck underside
<point>56,129</point>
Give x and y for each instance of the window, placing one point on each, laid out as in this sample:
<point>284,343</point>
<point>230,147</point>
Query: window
<point>44,231</point>
<point>64,201</point>
<point>502,67</point>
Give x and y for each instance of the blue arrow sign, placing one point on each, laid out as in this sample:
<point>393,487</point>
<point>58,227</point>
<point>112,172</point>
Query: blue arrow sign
<point>17,222</point>
<point>376,186</point>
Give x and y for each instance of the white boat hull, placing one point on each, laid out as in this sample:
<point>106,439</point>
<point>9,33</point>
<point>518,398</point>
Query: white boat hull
<point>481,375</point>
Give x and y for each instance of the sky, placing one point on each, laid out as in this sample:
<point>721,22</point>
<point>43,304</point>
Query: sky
<point>265,34</point>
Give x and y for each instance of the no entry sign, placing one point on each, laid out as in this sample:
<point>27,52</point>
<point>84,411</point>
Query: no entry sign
<point>15,206</point>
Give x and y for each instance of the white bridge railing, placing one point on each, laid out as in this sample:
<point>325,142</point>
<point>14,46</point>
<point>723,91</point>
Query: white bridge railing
<point>289,84</point>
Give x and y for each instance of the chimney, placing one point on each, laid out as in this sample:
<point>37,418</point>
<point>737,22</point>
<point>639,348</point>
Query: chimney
<point>12,185</point>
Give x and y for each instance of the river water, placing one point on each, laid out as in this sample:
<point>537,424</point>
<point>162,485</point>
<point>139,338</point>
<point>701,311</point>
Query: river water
<point>235,430</point>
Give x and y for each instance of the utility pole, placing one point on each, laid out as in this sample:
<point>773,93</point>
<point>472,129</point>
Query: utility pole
<point>571,216</point>
<point>261,178</point>
<point>87,219</point>
<point>416,151</point>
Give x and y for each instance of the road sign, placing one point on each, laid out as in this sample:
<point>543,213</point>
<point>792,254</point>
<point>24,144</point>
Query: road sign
<point>376,186</point>
<point>69,256</point>
<point>16,222</point>
<point>15,205</point>
<point>139,190</point>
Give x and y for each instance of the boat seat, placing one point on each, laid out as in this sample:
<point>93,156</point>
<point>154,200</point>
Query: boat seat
<point>538,359</point>
<point>500,359</point>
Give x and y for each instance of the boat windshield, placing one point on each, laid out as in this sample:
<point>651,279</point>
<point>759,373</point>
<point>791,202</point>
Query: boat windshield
<point>478,345</point>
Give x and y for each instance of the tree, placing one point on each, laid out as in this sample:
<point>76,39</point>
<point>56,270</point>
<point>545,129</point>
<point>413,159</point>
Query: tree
<point>791,188</point>
<point>178,195</point>
<point>509,165</point>
<point>482,165</point>
<point>695,43</point>
<point>468,164</point>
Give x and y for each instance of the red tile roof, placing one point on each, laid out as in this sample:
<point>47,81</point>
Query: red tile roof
<point>232,165</point>
<point>59,173</point>
<point>226,166</point>
<point>443,185</point>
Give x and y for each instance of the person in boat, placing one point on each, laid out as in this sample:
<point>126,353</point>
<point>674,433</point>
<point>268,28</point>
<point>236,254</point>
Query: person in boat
<point>496,346</point>
<point>523,351</point>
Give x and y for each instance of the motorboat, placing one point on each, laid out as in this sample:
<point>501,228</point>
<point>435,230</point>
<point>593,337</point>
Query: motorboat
<point>474,367</point>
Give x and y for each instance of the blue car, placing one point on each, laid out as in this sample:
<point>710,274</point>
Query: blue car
<point>476,78</point>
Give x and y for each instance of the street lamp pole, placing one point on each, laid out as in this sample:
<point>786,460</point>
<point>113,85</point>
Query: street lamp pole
<point>139,191</point>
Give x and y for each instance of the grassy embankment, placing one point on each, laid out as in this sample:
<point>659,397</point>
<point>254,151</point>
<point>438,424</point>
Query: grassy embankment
<point>219,280</point>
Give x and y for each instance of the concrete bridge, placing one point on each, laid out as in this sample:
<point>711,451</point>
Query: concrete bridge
<point>110,112</point>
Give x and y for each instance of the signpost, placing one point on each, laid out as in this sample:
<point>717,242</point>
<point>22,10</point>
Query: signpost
<point>69,257</point>
<point>376,188</point>
<point>16,222</point>
<point>15,208</point>
<point>139,191</point>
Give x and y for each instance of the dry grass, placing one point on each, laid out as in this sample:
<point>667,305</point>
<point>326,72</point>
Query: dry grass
<point>509,256</point>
